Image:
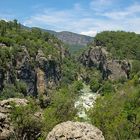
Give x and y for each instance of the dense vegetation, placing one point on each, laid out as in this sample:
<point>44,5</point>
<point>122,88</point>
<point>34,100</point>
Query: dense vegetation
<point>60,109</point>
<point>13,34</point>
<point>120,44</point>
<point>116,112</point>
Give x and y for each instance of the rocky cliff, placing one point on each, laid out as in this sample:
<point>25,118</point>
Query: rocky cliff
<point>75,131</point>
<point>98,57</point>
<point>39,73</point>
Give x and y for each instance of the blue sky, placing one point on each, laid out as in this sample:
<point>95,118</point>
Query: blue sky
<point>81,16</point>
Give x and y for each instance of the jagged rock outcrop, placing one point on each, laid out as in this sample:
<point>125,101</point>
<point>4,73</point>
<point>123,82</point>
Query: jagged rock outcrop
<point>98,57</point>
<point>25,71</point>
<point>40,73</point>
<point>48,72</point>
<point>41,84</point>
<point>6,128</point>
<point>75,131</point>
<point>93,57</point>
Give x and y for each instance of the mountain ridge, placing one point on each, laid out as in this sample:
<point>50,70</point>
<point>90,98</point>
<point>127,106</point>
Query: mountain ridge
<point>69,38</point>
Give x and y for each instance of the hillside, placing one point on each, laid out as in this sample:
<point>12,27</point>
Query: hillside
<point>73,41</point>
<point>32,60</point>
<point>114,57</point>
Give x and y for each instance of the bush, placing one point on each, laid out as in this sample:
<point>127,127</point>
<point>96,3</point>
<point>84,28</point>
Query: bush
<point>61,109</point>
<point>135,66</point>
<point>78,85</point>
<point>21,87</point>
<point>94,85</point>
<point>25,124</point>
<point>10,91</point>
<point>107,87</point>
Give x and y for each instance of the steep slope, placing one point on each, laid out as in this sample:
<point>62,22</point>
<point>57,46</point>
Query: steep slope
<point>30,61</point>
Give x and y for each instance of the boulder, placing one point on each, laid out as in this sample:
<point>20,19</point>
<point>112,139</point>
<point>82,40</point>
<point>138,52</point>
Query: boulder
<point>75,131</point>
<point>6,128</point>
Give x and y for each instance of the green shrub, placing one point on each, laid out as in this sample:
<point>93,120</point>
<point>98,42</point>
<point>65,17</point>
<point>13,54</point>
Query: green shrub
<point>25,124</point>
<point>135,66</point>
<point>78,85</point>
<point>10,91</point>
<point>107,87</point>
<point>60,109</point>
<point>94,85</point>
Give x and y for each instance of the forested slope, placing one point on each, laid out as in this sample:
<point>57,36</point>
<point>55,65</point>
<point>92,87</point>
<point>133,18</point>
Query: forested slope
<point>116,112</point>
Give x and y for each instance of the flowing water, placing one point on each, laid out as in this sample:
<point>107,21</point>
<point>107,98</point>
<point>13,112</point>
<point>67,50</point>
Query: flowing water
<point>85,101</point>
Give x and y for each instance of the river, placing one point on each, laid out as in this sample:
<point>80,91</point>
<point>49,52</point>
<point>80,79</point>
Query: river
<point>86,100</point>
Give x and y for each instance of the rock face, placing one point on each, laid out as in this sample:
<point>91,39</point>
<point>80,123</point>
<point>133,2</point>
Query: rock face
<point>75,131</point>
<point>25,72</point>
<point>40,73</point>
<point>48,72</point>
<point>98,57</point>
<point>41,84</point>
<point>6,128</point>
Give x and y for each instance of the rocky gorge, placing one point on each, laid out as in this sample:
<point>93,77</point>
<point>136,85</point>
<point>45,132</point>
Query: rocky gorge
<point>48,92</point>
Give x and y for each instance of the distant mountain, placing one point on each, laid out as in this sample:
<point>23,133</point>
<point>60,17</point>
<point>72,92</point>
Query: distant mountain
<point>73,41</point>
<point>72,38</point>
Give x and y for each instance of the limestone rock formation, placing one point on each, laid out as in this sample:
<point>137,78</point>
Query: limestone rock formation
<point>99,58</point>
<point>6,128</point>
<point>40,73</point>
<point>41,84</point>
<point>48,72</point>
<point>75,131</point>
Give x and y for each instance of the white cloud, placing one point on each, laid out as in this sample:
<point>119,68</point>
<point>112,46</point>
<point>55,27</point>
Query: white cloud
<point>74,19</point>
<point>89,33</point>
<point>128,12</point>
<point>86,21</point>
